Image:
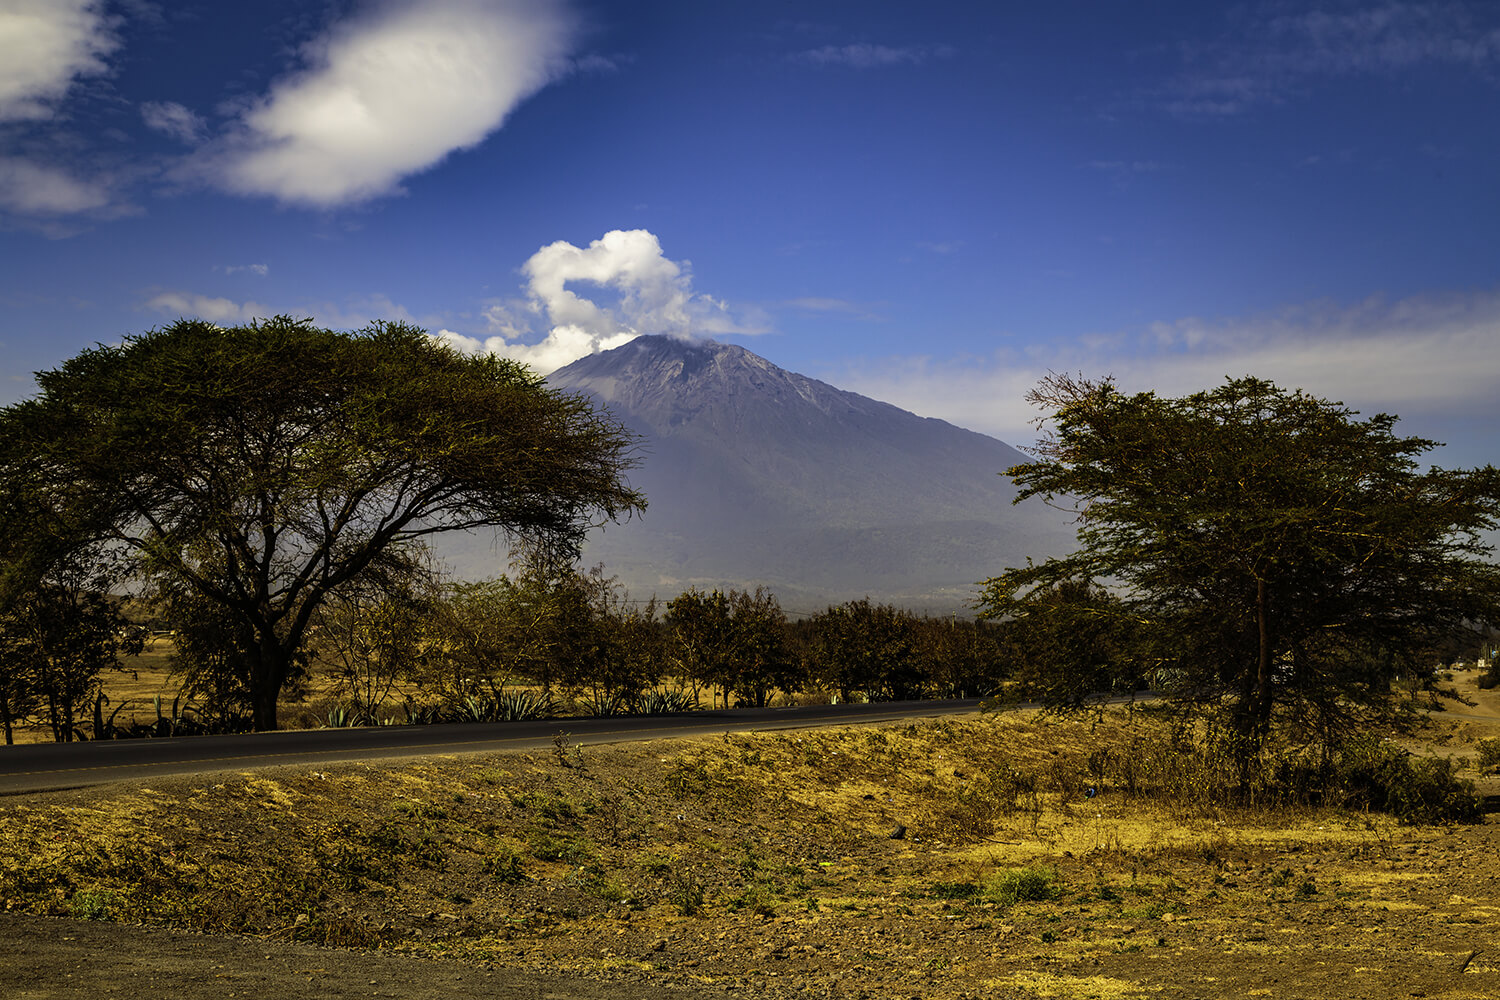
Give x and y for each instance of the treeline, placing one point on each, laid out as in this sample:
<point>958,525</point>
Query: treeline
<point>409,647</point>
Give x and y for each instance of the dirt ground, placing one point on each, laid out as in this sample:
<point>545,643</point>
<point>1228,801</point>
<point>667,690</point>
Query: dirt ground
<point>844,863</point>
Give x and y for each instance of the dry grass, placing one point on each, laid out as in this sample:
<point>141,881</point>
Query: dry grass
<point>767,861</point>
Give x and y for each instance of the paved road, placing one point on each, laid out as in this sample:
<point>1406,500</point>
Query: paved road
<point>35,767</point>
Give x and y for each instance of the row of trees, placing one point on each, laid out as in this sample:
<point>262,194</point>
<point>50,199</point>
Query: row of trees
<point>579,635</point>
<point>416,640</point>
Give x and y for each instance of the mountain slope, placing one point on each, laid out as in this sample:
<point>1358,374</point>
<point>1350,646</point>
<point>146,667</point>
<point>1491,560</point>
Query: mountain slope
<point>758,475</point>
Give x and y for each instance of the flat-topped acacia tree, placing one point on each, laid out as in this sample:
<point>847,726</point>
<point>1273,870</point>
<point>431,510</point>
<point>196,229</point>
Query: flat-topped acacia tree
<point>1273,557</point>
<point>265,466</point>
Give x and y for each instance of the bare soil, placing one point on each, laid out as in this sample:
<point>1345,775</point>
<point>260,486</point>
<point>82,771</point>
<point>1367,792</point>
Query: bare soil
<point>862,862</point>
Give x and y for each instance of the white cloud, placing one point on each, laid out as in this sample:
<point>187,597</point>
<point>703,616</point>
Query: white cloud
<point>389,93</point>
<point>44,46</point>
<point>863,55</point>
<point>175,120</point>
<point>215,310</point>
<point>1433,356</point>
<point>652,295</point>
<point>34,189</point>
<point>260,270</point>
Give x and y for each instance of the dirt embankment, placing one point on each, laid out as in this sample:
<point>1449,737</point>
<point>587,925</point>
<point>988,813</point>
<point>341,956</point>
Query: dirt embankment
<point>977,858</point>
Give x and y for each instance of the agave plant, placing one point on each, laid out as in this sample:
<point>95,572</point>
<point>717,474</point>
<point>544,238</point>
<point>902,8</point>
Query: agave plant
<point>604,703</point>
<point>523,704</point>
<point>664,702</point>
<point>343,717</point>
<point>420,715</point>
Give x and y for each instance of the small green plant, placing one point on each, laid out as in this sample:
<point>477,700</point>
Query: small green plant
<point>664,702</point>
<point>504,866</point>
<point>1009,886</point>
<point>91,904</point>
<point>685,893</point>
<point>594,880</point>
<point>523,705</point>
<point>568,753</point>
<point>548,846</point>
<point>684,778</point>
<point>756,898</point>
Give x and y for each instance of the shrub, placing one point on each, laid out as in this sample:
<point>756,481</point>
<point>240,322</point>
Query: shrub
<point>1382,776</point>
<point>686,894</point>
<point>1489,755</point>
<point>504,866</point>
<point>1009,886</point>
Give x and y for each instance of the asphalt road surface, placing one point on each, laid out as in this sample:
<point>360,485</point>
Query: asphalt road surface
<point>35,767</point>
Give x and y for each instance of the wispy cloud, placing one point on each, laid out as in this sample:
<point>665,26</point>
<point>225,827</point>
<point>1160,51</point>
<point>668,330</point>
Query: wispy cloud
<point>389,93</point>
<point>651,294</point>
<point>863,55</point>
<point>175,120</point>
<point>34,189</point>
<point>260,270</point>
<point>1433,355</point>
<point>187,305</point>
<point>815,304</point>
<point>45,45</point>
<point>351,314</point>
<point>1267,58</point>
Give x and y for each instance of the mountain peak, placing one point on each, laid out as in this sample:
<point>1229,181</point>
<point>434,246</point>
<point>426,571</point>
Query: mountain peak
<point>755,474</point>
<point>672,381</point>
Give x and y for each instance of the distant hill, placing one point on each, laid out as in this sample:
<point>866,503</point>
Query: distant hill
<point>755,474</point>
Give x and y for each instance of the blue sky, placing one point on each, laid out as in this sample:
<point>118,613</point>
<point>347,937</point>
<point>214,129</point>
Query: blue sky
<point>933,204</point>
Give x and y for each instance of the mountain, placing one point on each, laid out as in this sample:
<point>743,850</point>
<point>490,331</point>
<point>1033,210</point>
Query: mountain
<point>754,474</point>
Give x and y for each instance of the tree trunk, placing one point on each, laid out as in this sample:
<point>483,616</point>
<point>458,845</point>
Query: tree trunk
<point>267,675</point>
<point>1263,663</point>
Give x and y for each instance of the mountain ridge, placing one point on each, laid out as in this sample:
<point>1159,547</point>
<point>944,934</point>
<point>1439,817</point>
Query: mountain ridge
<point>757,475</point>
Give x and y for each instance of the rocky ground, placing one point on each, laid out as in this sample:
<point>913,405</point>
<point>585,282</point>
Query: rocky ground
<point>953,859</point>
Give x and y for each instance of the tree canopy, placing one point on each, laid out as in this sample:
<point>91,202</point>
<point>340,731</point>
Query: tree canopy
<point>1272,554</point>
<point>263,467</point>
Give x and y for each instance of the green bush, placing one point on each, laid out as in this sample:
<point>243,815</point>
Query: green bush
<point>1369,773</point>
<point>1206,770</point>
<point>504,866</point>
<point>1489,755</point>
<point>1009,886</point>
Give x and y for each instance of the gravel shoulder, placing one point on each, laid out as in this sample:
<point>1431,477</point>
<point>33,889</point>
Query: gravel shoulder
<point>53,958</point>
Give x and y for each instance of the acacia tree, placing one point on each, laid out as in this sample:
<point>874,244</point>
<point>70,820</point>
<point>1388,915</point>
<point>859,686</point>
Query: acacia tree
<point>265,466</point>
<point>862,646</point>
<point>1278,557</point>
<point>765,662</point>
<point>702,638</point>
<point>58,636</point>
<point>960,657</point>
<point>736,641</point>
<point>1070,646</point>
